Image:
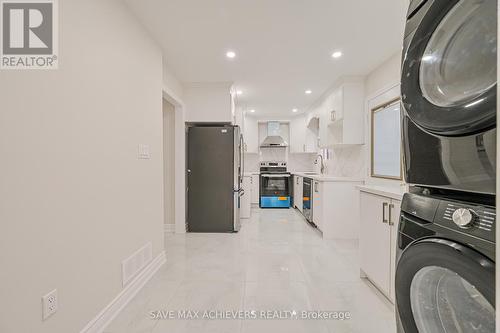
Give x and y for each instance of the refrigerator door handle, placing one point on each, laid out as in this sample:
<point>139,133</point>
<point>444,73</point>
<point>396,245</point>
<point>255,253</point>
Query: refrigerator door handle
<point>242,152</point>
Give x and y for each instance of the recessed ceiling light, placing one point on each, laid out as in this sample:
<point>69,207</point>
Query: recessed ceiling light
<point>295,110</point>
<point>252,110</point>
<point>239,92</point>
<point>230,54</point>
<point>308,92</point>
<point>336,54</point>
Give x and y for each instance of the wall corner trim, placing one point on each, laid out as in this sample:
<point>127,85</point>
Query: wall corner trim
<point>104,318</point>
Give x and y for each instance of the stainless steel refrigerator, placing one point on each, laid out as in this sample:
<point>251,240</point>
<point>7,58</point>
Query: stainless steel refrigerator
<point>214,178</point>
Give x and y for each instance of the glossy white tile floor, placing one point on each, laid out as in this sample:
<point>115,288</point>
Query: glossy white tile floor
<point>276,262</point>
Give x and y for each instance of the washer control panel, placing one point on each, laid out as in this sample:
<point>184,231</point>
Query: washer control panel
<point>464,217</point>
<point>475,220</point>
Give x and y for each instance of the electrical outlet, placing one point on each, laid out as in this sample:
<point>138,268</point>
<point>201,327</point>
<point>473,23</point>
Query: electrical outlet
<point>49,304</point>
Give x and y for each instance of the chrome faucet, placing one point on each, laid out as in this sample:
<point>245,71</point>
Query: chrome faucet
<point>322,168</point>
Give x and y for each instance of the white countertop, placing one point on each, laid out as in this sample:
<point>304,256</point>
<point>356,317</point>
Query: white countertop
<point>394,192</point>
<point>326,178</point>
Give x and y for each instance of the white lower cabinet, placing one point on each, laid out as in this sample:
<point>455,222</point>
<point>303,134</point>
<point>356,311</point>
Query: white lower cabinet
<point>245,204</point>
<point>318,204</point>
<point>298,198</point>
<point>377,240</point>
<point>395,211</point>
<point>335,207</point>
<point>255,189</point>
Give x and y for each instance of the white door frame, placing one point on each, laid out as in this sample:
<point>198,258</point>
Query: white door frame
<point>180,160</point>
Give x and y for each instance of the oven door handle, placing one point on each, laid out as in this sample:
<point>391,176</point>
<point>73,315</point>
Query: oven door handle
<point>273,176</point>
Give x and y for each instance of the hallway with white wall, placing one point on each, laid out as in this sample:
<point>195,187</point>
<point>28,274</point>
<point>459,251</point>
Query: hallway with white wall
<point>75,199</point>
<point>93,185</point>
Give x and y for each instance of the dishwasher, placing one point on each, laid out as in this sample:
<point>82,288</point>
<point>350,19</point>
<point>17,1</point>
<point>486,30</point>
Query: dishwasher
<point>307,204</point>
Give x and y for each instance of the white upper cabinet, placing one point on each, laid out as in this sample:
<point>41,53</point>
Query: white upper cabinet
<point>311,143</point>
<point>302,138</point>
<point>216,97</point>
<point>297,134</point>
<point>251,134</point>
<point>341,115</point>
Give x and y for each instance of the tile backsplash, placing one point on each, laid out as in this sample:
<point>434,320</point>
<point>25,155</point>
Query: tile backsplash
<point>342,161</point>
<point>273,154</point>
<point>251,162</point>
<point>296,161</point>
<point>301,162</point>
<point>346,161</point>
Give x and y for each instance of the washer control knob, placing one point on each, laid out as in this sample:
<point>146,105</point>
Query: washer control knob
<point>464,217</point>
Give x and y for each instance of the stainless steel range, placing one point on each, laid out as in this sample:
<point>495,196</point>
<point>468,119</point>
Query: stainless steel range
<point>275,185</point>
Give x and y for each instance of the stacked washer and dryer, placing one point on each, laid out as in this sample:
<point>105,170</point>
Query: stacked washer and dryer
<point>445,274</point>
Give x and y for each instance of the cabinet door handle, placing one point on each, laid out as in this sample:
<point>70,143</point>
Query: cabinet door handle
<point>391,206</point>
<point>384,220</point>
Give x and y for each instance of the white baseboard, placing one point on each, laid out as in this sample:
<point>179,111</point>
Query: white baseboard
<point>169,228</point>
<point>99,323</point>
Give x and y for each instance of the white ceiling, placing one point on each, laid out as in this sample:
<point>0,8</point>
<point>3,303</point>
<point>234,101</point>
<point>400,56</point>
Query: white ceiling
<point>283,47</point>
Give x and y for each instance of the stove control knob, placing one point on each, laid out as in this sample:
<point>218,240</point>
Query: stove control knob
<point>464,218</point>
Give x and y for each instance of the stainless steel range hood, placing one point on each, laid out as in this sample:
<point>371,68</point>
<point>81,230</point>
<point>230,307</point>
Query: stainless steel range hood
<point>274,141</point>
<point>273,138</point>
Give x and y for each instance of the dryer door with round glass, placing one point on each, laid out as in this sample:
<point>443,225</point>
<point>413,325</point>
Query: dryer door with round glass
<point>448,80</point>
<point>443,286</point>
